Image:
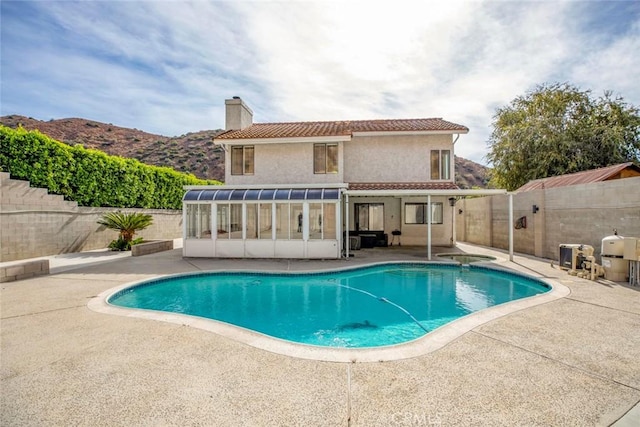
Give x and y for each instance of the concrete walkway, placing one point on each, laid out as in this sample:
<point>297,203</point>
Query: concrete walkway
<point>572,361</point>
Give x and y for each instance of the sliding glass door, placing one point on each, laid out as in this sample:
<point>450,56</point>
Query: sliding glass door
<point>369,216</point>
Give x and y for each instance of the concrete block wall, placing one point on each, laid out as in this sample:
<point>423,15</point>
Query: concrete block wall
<point>11,272</point>
<point>532,225</point>
<point>34,223</point>
<point>588,213</point>
<point>582,214</point>
<point>472,224</point>
<point>151,247</point>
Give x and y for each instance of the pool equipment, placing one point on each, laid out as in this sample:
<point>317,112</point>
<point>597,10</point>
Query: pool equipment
<point>616,268</point>
<point>632,254</point>
<point>383,299</point>
<point>405,311</point>
<point>579,260</point>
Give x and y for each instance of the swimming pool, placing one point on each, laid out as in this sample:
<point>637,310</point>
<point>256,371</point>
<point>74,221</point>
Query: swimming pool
<point>372,306</point>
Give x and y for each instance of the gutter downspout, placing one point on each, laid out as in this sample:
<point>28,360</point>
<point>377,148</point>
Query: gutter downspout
<point>221,144</point>
<point>452,161</point>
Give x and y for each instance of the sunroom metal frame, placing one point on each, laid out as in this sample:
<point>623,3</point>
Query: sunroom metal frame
<point>326,192</point>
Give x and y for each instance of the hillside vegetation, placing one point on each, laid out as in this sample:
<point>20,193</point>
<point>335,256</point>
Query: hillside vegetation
<point>90,177</point>
<point>192,153</point>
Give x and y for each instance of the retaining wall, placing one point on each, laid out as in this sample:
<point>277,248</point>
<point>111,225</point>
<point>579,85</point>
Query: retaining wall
<point>583,214</point>
<point>10,272</point>
<point>152,247</point>
<point>34,223</point>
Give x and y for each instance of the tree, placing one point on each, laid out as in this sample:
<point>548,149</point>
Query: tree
<point>127,224</point>
<point>558,129</point>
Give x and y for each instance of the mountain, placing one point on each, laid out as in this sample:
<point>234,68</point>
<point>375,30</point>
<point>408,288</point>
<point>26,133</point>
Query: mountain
<point>471,174</point>
<point>193,152</point>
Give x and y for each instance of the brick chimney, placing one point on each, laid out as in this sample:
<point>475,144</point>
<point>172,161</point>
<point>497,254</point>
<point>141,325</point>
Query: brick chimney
<point>238,115</point>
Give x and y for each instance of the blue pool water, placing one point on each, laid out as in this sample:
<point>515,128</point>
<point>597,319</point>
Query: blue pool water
<point>364,307</point>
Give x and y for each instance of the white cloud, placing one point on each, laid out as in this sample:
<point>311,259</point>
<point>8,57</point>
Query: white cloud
<point>454,60</point>
<point>614,66</point>
<point>166,67</point>
<point>347,60</point>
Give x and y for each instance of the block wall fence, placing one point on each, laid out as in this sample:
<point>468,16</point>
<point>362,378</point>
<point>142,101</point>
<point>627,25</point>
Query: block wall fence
<point>583,214</point>
<point>34,223</point>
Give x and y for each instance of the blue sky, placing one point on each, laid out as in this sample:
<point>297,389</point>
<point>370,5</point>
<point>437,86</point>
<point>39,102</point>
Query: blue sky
<point>166,67</point>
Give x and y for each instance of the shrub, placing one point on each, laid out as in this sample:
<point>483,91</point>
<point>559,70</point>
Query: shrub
<point>121,244</point>
<point>126,223</point>
<point>90,177</point>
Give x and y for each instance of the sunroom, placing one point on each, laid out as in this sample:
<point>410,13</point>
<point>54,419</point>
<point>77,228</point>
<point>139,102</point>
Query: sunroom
<point>263,222</point>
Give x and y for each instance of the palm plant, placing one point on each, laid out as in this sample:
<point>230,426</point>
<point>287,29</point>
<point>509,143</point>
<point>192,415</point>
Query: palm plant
<point>127,224</point>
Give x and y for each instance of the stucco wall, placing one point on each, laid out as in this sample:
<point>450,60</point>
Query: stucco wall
<point>392,158</point>
<point>412,234</point>
<point>582,214</point>
<point>34,223</point>
<point>395,158</point>
<point>290,163</point>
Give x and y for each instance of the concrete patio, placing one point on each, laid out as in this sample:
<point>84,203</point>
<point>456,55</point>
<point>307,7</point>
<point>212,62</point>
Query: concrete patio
<point>572,361</point>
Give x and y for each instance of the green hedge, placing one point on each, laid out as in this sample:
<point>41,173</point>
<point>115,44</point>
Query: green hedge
<point>90,177</point>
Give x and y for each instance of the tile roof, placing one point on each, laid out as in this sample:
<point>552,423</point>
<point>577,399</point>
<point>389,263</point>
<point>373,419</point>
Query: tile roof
<point>340,128</point>
<point>403,186</point>
<point>584,177</point>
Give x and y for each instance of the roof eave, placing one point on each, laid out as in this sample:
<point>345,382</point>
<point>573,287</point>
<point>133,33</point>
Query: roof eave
<point>411,132</point>
<point>287,140</point>
<point>425,192</point>
<point>261,186</point>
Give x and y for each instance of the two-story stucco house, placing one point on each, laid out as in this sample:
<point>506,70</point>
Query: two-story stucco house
<point>301,190</point>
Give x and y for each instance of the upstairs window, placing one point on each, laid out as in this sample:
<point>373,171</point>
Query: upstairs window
<point>242,160</point>
<point>440,164</point>
<point>325,158</point>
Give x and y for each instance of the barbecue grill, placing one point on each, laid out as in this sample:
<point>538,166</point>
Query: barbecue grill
<point>396,233</point>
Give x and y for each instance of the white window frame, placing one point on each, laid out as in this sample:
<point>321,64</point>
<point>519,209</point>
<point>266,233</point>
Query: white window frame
<point>444,170</point>
<point>244,149</point>
<point>325,170</point>
<point>437,213</point>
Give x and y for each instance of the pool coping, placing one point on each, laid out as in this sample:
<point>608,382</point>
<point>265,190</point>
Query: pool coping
<point>428,343</point>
